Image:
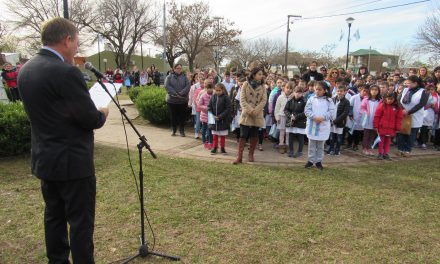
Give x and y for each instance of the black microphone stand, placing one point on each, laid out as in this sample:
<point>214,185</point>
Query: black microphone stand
<point>143,249</point>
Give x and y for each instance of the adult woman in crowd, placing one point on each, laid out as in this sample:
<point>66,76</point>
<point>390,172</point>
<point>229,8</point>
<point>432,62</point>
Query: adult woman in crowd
<point>253,98</point>
<point>423,74</point>
<point>332,76</point>
<point>413,100</point>
<point>177,86</point>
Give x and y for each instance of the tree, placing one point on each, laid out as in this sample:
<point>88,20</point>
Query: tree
<point>428,34</point>
<point>123,24</point>
<point>243,54</point>
<point>199,31</point>
<point>172,51</point>
<point>268,52</point>
<point>29,15</point>
<point>407,54</point>
<point>326,55</point>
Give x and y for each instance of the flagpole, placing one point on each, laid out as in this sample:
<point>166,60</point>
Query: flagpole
<point>99,53</point>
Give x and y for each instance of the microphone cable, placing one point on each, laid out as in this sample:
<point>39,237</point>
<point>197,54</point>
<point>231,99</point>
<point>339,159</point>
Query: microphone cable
<point>133,173</point>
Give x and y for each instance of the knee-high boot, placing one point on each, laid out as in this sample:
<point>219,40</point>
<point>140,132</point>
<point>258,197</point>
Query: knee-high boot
<point>240,149</point>
<point>253,144</point>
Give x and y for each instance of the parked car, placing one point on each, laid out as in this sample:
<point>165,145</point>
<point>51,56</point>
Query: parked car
<point>87,77</point>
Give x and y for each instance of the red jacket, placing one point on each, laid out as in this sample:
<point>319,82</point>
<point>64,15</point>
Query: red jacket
<point>10,77</point>
<point>388,119</point>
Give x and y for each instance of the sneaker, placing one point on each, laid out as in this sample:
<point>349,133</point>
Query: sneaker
<point>173,134</point>
<point>405,154</point>
<point>332,153</point>
<point>337,153</point>
<point>370,152</point>
<point>291,154</point>
<point>196,135</point>
<point>319,166</point>
<point>260,147</point>
<point>298,154</point>
<point>380,157</point>
<point>182,134</point>
<point>355,148</point>
<point>424,146</point>
<point>213,151</point>
<point>387,157</point>
<point>348,147</point>
<point>223,151</point>
<point>308,165</point>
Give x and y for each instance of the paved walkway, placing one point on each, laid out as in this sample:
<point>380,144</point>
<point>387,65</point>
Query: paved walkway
<point>162,142</point>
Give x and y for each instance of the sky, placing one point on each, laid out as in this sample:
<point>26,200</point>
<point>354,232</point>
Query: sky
<point>378,29</point>
<point>268,18</point>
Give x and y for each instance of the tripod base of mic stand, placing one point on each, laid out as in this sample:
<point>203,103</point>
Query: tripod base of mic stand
<point>143,253</point>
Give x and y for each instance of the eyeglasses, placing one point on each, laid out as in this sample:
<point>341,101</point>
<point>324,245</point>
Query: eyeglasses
<point>335,72</point>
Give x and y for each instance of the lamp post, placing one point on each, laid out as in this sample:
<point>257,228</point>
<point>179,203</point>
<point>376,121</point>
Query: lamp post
<point>384,65</point>
<point>287,41</point>
<point>105,64</point>
<point>349,22</point>
<point>142,57</point>
<point>216,57</point>
<point>66,9</point>
<point>99,52</point>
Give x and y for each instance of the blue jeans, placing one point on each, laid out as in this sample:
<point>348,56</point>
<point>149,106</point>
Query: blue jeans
<point>406,142</point>
<point>335,142</point>
<point>197,122</point>
<point>206,133</point>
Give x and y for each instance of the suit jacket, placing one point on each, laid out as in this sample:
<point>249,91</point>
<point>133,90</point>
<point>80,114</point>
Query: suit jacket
<point>62,116</point>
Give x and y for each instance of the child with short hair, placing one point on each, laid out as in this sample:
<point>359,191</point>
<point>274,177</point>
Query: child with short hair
<point>368,109</point>
<point>296,121</point>
<point>387,121</point>
<point>220,107</point>
<point>319,111</point>
<point>342,107</point>
<point>280,116</point>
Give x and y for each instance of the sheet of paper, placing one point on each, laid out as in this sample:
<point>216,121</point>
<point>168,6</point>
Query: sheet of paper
<point>100,97</point>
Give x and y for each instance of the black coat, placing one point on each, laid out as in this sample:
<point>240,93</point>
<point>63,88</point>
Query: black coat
<point>220,106</point>
<point>295,107</point>
<point>318,76</point>
<point>62,116</point>
<point>341,112</point>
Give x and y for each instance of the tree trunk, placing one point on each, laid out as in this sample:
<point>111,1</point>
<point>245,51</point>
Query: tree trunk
<point>191,63</point>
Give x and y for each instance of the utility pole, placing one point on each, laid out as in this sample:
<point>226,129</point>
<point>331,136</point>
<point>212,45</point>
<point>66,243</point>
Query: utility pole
<point>216,57</point>
<point>287,41</point>
<point>66,9</point>
<point>99,52</point>
<point>164,38</point>
<point>142,57</point>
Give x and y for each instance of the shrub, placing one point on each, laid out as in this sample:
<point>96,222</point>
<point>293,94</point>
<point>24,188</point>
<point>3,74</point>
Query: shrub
<point>133,93</point>
<point>152,106</point>
<point>15,130</point>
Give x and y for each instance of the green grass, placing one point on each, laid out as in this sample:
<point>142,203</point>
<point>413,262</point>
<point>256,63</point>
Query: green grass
<point>219,213</point>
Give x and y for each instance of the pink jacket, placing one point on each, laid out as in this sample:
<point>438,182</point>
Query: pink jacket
<point>195,97</point>
<point>203,106</point>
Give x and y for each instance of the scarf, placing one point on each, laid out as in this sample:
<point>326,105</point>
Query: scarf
<point>409,94</point>
<point>254,84</point>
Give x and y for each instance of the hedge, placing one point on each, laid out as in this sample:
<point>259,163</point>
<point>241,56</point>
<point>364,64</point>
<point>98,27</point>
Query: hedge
<point>15,130</point>
<point>133,93</point>
<point>152,106</point>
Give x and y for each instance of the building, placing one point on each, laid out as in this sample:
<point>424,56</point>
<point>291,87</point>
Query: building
<point>373,60</point>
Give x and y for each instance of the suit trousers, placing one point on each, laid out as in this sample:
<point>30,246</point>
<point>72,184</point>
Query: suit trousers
<point>69,202</point>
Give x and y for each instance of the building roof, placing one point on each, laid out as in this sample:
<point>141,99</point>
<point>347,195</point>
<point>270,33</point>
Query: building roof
<point>365,52</point>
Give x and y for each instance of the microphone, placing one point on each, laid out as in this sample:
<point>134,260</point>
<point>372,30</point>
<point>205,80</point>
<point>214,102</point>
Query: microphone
<point>97,73</point>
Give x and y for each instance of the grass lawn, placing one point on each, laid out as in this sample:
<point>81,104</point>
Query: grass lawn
<point>218,213</point>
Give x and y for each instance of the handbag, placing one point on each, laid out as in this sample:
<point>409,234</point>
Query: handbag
<point>405,129</point>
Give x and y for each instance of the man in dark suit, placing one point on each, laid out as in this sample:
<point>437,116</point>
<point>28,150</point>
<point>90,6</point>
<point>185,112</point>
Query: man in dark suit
<point>63,118</point>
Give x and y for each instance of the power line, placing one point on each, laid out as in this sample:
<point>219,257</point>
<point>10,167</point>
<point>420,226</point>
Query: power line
<point>365,11</point>
<point>348,7</point>
<point>254,37</point>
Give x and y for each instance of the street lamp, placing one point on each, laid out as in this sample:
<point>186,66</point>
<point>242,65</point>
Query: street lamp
<point>349,22</point>
<point>384,65</point>
<point>66,9</point>
<point>287,41</point>
<point>105,64</point>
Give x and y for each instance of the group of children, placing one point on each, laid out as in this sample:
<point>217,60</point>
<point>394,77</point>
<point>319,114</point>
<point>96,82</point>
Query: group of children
<point>321,114</point>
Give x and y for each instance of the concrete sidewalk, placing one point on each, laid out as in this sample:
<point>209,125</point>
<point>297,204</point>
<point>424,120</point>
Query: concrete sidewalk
<point>162,142</point>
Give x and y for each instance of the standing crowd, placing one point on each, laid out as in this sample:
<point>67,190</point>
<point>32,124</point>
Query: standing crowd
<point>324,110</point>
